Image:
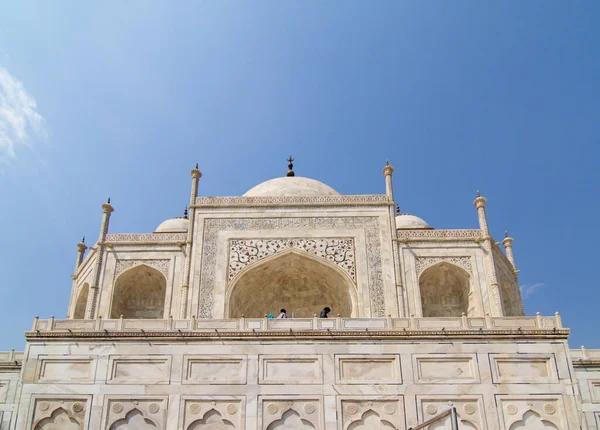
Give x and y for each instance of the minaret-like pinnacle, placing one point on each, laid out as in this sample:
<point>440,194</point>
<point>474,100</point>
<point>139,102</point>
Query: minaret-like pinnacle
<point>397,209</point>
<point>505,233</point>
<point>478,193</point>
<point>108,201</point>
<point>185,213</point>
<point>290,166</point>
<point>196,166</point>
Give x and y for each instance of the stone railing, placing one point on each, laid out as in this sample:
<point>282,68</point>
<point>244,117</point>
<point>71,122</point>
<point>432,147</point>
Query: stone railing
<point>399,325</point>
<point>10,358</point>
<point>585,357</point>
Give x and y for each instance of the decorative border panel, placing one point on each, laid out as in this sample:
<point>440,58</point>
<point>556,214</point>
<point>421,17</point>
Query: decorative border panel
<point>293,200</point>
<point>162,265</point>
<point>445,374</point>
<point>146,237</point>
<point>345,374</point>
<point>369,224</point>
<point>236,364</point>
<point>439,234</point>
<point>244,252</point>
<point>161,364</point>
<point>294,364</point>
<point>525,361</point>
<point>423,263</point>
<point>62,364</point>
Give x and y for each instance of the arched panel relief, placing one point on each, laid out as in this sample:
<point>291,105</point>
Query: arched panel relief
<point>469,411</point>
<point>161,265</point>
<point>533,413</point>
<point>214,413</point>
<point>372,414</point>
<point>423,263</point>
<point>243,253</point>
<point>138,414</point>
<point>59,414</point>
<point>292,414</point>
<point>369,225</point>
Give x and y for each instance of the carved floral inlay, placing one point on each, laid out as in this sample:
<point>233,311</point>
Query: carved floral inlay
<point>146,237</point>
<point>423,263</point>
<point>439,234</point>
<point>287,200</point>
<point>160,265</point>
<point>245,252</point>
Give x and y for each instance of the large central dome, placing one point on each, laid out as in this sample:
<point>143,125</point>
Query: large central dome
<point>291,186</point>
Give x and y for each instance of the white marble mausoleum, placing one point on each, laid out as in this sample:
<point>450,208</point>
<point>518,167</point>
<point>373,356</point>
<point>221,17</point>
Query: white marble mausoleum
<point>170,329</point>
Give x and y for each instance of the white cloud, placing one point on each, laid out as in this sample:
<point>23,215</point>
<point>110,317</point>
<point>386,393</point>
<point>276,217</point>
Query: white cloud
<point>529,289</point>
<point>20,122</point>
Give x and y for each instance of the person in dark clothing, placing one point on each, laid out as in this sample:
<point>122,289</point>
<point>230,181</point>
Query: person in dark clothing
<point>283,314</point>
<point>324,312</point>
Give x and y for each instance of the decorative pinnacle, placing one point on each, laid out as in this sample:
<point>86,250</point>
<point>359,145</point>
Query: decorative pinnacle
<point>185,213</point>
<point>290,161</point>
<point>397,209</point>
<point>505,233</point>
<point>387,163</point>
<point>196,166</point>
<point>108,201</point>
<point>83,239</point>
<point>478,193</point>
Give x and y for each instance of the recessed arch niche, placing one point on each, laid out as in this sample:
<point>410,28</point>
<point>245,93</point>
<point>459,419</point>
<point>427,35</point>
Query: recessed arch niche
<point>444,290</point>
<point>510,300</point>
<point>139,293</point>
<point>80,304</point>
<point>298,282</point>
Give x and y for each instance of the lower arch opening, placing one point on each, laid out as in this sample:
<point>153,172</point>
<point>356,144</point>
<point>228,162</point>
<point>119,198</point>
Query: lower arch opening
<point>300,284</point>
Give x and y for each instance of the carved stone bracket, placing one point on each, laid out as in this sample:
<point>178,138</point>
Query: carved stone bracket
<point>161,265</point>
<point>425,262</point>
<point>369,224</point>
<point>245,252</point>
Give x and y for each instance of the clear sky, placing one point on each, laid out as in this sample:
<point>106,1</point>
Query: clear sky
<point>121,99</point>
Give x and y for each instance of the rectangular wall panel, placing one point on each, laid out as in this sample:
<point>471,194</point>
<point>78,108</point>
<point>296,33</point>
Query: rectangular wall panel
<point>147,369</point>
<point>368,369</point>
<point>214,369</point>
<point>290,369</point>
<point>445,368</point>
<point>523,368</point>
<point>65,369</point>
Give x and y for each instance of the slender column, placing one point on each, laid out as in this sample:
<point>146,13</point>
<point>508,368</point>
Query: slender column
<point>81,247</point>
<point>507,242</point>
<point>495,302</point>
<point>185,287</point>
<point>388,170</point>
<point>90,311</point>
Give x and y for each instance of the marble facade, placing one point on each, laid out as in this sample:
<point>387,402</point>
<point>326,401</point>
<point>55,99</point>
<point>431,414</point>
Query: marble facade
<point>169,330</point>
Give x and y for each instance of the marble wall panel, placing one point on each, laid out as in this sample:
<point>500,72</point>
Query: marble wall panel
<point>533,412</point>
<point>368,369</point>
<point>3,391</point>
<point>290,369</point>
<point>523,368</point>
<point>445,369</point>
<point>65,369</point>
<point>290,413</point>
<point>594,386</point>
<point>214,369</point>
<point>371,412</point>
<point>469,409</point>
<point>139,369</point>
<point>127,413</point>
<point>212,413</point>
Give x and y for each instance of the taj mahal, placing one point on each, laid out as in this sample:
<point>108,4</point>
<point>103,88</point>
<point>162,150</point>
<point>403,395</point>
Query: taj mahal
<point>172,329</point>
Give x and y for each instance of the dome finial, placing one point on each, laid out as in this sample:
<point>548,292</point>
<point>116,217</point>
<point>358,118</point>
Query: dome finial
<point>108,201</point>
<point>478,193</point>
<point>397,209</point>
<point>196,166</point>
<point>83,239</point>
<point>505,233</point>
<point>185,213</point>
<point>290,166</point>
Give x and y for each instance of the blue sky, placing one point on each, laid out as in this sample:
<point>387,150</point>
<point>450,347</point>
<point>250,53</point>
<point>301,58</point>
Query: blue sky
<point>121,99</point>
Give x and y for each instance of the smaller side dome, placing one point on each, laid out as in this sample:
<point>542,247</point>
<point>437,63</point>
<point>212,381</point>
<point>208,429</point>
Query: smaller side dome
<point>173,225</point>
<point>410,222</point>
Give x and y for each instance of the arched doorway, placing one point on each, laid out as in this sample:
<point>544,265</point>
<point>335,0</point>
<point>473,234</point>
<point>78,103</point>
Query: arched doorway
<point>299,283</point>
<point>139,293</point>
<point>80,305</point>
<point>444,291</point>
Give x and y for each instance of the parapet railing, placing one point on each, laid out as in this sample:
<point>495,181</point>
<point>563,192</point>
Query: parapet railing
<point>449,325</point>
<point>10,359</point>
